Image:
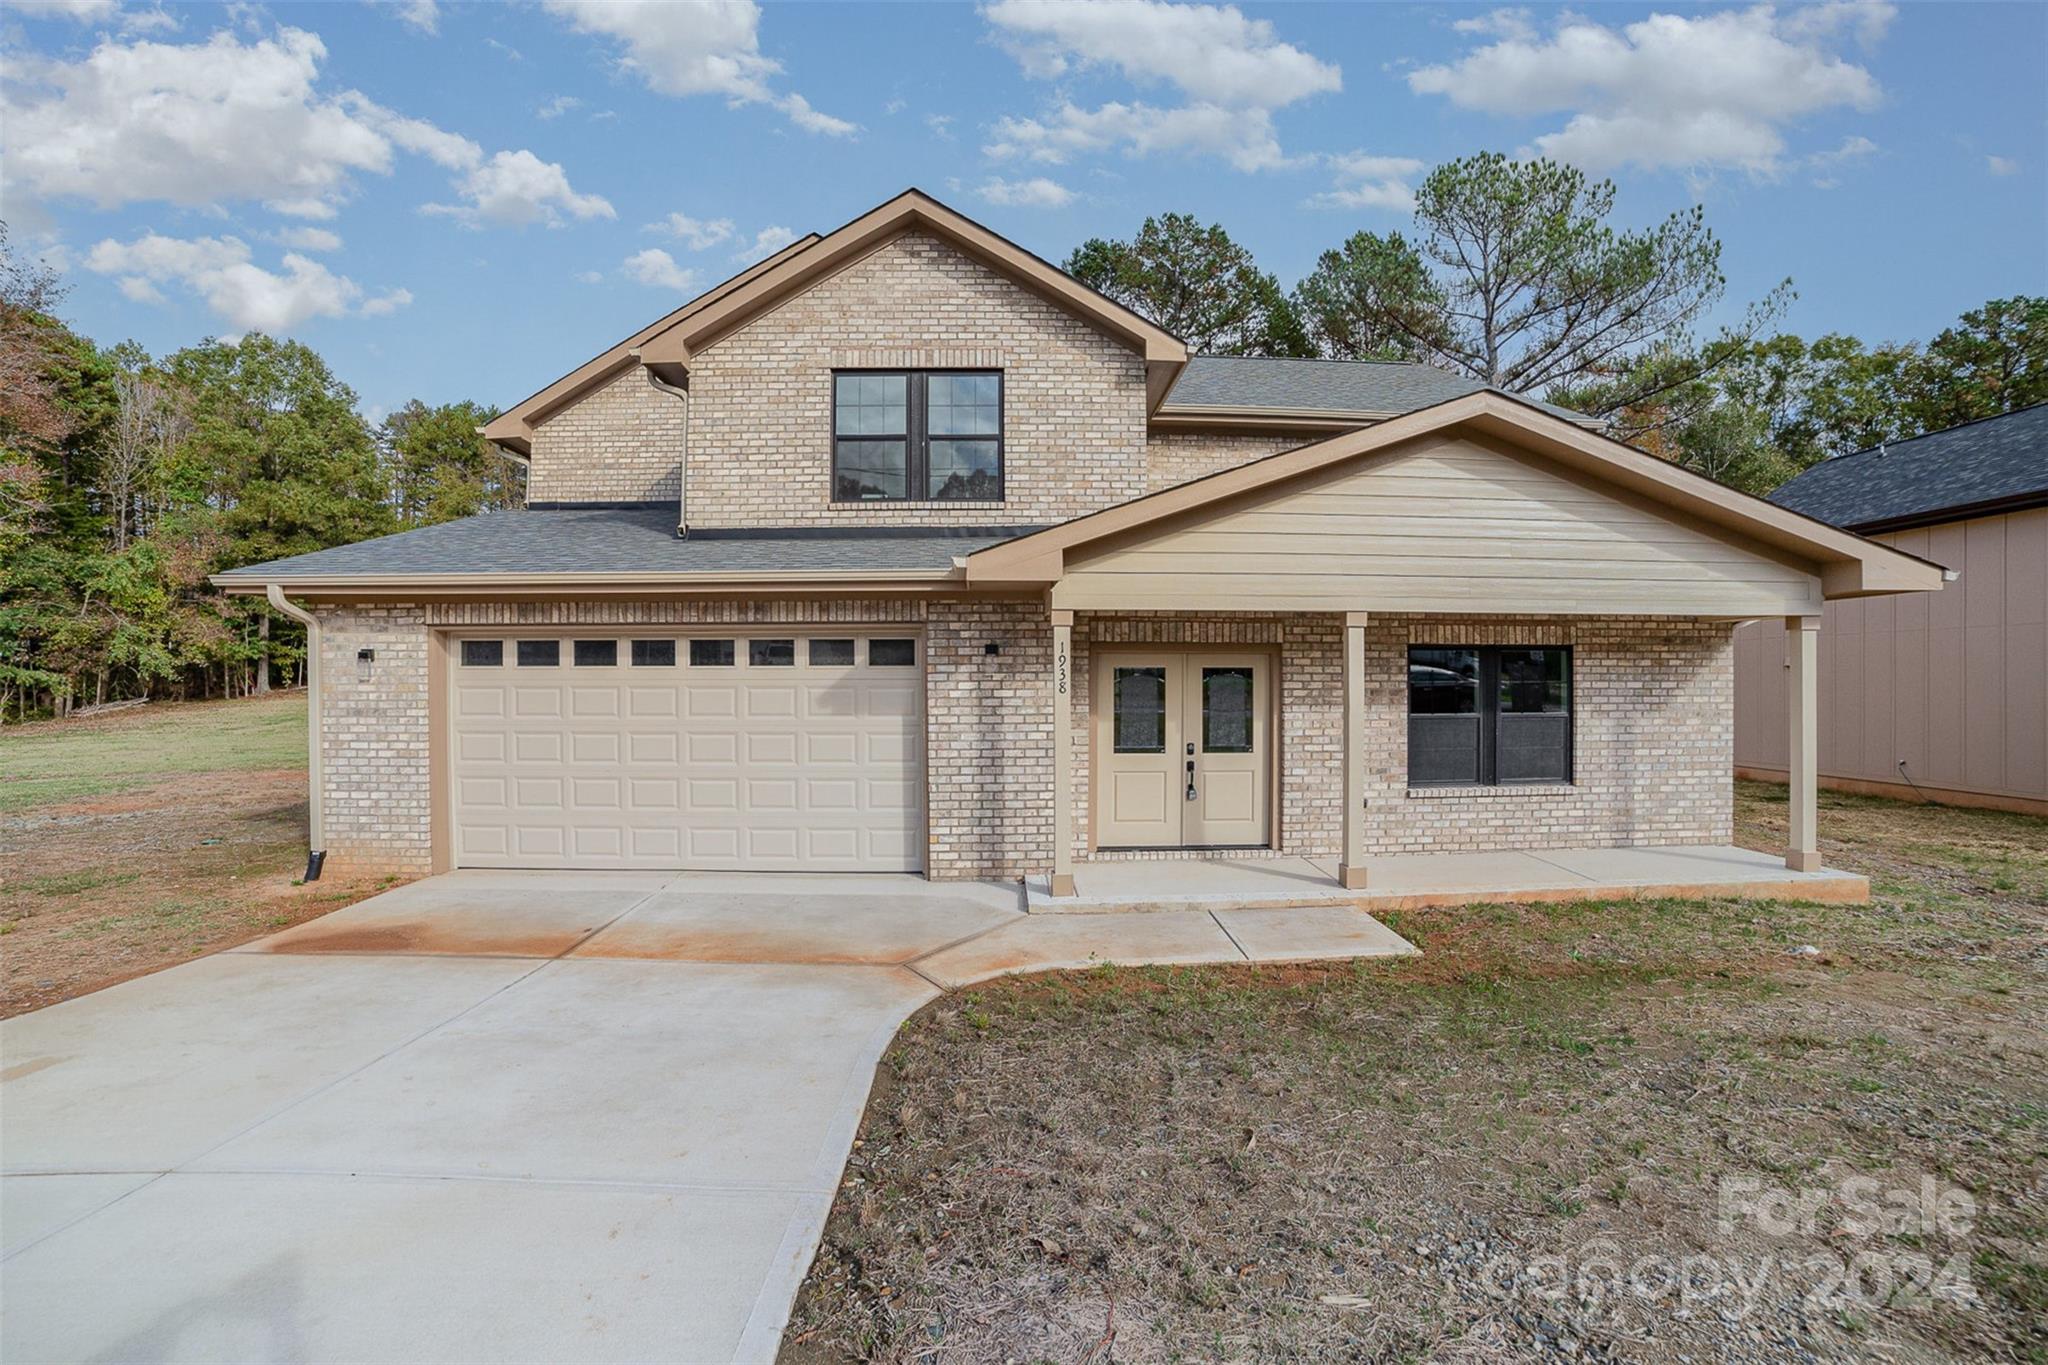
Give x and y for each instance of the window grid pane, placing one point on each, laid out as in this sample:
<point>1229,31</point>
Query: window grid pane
<point>771,653</point>
<point>539,653</point>
<point>1138,711</point>
<point>483,653</point>
<point>1227,710</point>
<point>654,653</point>
<point>831,653</point>
<point>892,653</point>
<point>597,653</point>
<point>711,654</point>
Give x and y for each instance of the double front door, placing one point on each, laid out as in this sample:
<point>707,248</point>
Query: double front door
<point>1183,744</point>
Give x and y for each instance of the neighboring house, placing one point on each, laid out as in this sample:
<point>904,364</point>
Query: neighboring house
<point>1940,696</point>
<point>980,574</point>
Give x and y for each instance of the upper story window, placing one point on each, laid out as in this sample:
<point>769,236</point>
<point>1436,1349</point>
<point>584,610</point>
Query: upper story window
<point>917,436</point>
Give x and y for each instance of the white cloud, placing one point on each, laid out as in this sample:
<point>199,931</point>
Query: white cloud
<point>942,124</point>
<point>1232,72</point>
<point>2001,165</point>
<point>590,277</point>
<point>1365,181</point>
<point>245,295</point>
<point>1500,23</point>
<point>84,11</point>
<point>149,21</point>
<point>767,242</point>
<point>656,267</point>
<point>424,15</point>
<point>1711,89</point>
<point>1036,193</point>
<point>224,121</point>
<point>308,239</point>
<point>556,107</point>
<point>710,47</point>
<point>1243,137</point>
<point>517,188</point>
<point>698,234</point>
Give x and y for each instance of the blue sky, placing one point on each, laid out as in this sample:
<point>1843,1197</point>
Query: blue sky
<point>453,200</point>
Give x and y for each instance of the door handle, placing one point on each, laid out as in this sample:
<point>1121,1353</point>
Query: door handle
<point>1191,779</point>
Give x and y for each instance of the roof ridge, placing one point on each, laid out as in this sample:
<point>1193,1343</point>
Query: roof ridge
<point>1886,447</point>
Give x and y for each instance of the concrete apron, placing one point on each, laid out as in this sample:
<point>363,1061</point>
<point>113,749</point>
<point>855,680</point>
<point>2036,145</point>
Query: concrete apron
<point>502,1115</point>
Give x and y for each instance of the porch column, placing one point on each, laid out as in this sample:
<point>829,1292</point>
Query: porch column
<point>1351,871</point>
<point>1802,682</point>
<point>1062,753</point>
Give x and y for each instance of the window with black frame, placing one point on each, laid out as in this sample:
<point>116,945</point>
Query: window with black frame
<point>1489,715</point>
<point>917,436</point>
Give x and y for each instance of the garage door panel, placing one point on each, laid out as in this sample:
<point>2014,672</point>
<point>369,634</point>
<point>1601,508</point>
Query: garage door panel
<point>779,767</point>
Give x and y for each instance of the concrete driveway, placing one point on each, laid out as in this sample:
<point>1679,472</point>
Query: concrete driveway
<point>501,1116</point>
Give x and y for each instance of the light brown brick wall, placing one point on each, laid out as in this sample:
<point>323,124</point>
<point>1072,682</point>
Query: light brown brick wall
<point>373,739</point>
<point>620,443</point>
<point>1174,457</point>
<point>761,425</point>
<point>1653,720</point>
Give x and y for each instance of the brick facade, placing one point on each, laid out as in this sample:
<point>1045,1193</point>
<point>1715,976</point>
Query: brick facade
<point>1175,457</point>
<point>622,442</point>
<point>1653,722</point>
<point>761,428</point>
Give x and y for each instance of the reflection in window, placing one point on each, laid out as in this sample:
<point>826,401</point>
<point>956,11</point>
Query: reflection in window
<point>654,653</point>
<point>1534,680</point>
<point>1227,710</point>
<point>1443,682</point>
<point>1138,711</point>
<point>831,653</point>
<point>771,653</point>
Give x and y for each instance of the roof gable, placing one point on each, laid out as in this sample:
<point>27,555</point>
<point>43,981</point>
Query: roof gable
<point>1849,565</point>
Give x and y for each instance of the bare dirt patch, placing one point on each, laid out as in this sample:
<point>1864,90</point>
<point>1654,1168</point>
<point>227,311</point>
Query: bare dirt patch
<point>1565,1132</point>
<point>150,868</point>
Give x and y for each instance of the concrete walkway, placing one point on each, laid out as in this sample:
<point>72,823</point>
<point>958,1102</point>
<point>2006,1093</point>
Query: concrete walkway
<point>501,1116</point>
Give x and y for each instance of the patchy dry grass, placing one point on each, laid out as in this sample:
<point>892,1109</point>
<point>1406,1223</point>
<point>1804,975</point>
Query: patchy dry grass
<point>1465,1156</point>
<point>143,838</point>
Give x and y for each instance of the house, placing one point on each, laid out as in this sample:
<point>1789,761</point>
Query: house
<point>902,550</point>
<point>1937,696</point>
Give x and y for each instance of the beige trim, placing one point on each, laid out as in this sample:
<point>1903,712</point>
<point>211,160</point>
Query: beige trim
<point>514,427</point>
<point>1850,565</point>
<point>677,342</point>
<point>605,584</point>
<point>1802,674</point>
<point>1351,871</point>
<point>316,799</point>
<point>440,795</point>
<point>1062,753</point>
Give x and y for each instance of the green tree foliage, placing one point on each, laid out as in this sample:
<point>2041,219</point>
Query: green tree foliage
<point>1515,277</point>
<point>1994,360</point>
<point>439,468</point>
<point>125,482</point>
<point>1197,284</point>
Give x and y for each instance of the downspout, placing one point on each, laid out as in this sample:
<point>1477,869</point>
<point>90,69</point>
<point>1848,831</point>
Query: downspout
<point>316,825</point>
<point>683,464</point>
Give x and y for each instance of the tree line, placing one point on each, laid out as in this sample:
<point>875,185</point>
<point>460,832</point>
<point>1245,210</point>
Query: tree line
<point>127,479</point>
<point>1514,275</point>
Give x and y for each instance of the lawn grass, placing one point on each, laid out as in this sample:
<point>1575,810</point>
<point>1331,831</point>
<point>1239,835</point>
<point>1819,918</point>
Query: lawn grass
<point>1375,1160</point>
<point>68,760</point>
<point>143,838</point>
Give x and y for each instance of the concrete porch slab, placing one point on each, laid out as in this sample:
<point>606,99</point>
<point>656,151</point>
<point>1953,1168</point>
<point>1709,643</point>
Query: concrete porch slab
<point>1422,880</point>
<point>1308,933</point>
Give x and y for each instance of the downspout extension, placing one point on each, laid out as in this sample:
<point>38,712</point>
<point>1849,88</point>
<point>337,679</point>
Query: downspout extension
<point>682,464</point>
<point>316,825</point>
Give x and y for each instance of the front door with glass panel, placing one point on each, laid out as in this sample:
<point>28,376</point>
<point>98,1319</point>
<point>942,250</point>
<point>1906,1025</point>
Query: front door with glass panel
<point>1183,746</point>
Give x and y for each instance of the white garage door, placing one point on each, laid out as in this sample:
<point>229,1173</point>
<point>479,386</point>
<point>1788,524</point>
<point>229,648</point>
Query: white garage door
<point>800,752</point>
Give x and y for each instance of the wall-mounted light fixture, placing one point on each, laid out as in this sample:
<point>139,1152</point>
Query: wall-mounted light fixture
<point>991,648</point>
<point>365,660</point>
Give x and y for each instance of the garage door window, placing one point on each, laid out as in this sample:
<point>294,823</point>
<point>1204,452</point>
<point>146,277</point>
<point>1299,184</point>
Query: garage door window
<point>654,654</point>
<point>483,653</point>
<point>771,653</point>
<point>597,653</point>
<point>540,653</point>
<point>711,654</point>
<point>831,653</point>
<point>892,653</point>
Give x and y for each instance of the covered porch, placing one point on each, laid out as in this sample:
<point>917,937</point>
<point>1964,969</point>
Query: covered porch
<point>1414,881</point>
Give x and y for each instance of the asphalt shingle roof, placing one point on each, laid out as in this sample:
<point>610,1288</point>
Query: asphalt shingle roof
<point>1918,479</point>
<point>620,540</point>
<point>1338,386</point>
